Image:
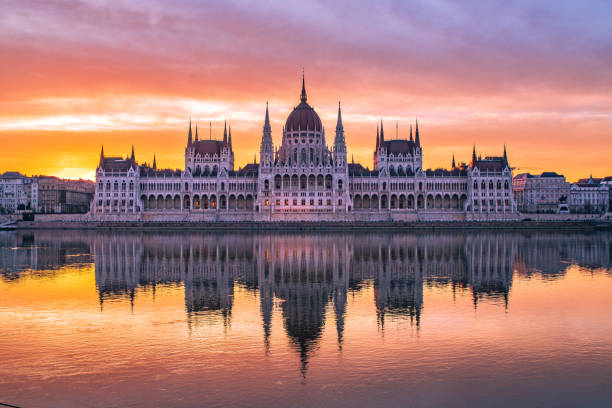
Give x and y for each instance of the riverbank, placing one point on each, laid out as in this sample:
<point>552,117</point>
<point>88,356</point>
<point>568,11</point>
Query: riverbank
<point>319,226</point>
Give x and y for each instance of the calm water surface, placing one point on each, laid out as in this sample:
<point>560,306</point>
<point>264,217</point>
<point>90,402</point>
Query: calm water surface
<point>93,319</point>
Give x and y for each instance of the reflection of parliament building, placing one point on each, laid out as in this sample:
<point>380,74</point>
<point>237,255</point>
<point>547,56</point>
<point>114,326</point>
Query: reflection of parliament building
<point>303,179</point>
<point>305,276</point>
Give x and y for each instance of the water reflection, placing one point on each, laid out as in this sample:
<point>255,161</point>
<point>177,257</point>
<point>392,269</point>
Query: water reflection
<point>307,277</point>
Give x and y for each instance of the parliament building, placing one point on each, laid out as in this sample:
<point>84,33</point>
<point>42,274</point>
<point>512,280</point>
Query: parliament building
<point>303,179</point>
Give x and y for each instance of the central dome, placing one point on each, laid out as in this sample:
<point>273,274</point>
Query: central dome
<point>303,116</point>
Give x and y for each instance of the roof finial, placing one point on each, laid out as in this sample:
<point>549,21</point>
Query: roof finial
<point>474,155</point>
<point>132,157</point>
<point>196,136</point>
<point>453,163</point>
<point>154,162</point>
<point>412,140</point>
<point>189,139</point>
<point>382,132</point>
<point>417,139</point>
<point>229,139</point>
<point>225,132</point>
<point>303,95</point>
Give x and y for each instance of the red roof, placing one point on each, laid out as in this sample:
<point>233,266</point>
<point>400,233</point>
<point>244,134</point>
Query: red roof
<point>399,146</point>
<point>210,147</point>
<point>303,117</point>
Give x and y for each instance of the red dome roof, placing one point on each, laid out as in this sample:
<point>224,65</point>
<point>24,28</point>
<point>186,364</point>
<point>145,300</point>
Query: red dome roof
<point>303,117</point>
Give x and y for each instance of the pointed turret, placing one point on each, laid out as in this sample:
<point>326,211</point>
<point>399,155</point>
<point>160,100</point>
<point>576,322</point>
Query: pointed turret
<point>303,94</point>
<point>417,139</point>
<point>225,133</point>
<point>189,138</point>
<point>412,140</point>
<point>132,157</point>
<point>505,156</point>
<point>154,161</point>
<point>382,133</point>
<point>101,156</point>
<point>453,163</point>
<point>473,157</point>
<point>266,149</point>
<point>339,142</point>
<point>229,138</point>
<point>196,137</point>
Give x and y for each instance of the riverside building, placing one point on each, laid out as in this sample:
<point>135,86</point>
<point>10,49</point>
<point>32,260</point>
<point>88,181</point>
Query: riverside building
<point>303,179</point>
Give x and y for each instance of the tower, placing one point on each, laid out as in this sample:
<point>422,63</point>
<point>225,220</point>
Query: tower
<point>339,142</point>
<point>266,149</point>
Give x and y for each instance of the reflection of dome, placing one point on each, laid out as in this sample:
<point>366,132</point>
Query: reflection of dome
<point>303,116</point>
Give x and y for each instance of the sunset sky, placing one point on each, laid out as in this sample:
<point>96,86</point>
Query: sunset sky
<point>78,74</point>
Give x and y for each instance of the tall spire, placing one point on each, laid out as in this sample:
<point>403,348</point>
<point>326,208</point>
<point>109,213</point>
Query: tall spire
<point>225,133</point>
<point>102,156</point>
<point>453,163</point>
<point>132,157</point>
<point>382,133</point>
<point>411,133</point>
<point>229,139</point>
<point>339,142</point>
<point>267,126</point>
<point>154,162</point>
<point>505,155</point>
<point>196,137</point>
<point>339,123</point>
<point>417,139</point>
<point>189,139</point>
<point>303,95</point>
<point>266,149</point>
<point>474,156</point>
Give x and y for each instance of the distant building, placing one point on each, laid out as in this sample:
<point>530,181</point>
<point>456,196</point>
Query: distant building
<point>589,196</point>
<point>545,193</point>
<point>57,195</point>
<point>304,179</point>
<point>17,192</point>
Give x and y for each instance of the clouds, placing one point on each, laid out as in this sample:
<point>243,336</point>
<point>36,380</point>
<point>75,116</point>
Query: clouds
<point>104,66</point>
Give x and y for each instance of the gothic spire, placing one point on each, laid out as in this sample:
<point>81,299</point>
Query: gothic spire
<point>267,126</point>
<point>196,136</point>
<point>303,95</point>
<point>154,162</point>
<point>417,139</point>
<point>411,133</point>
<point>474,156</point>
<point>505,155</point>
<point>189,139</point>
<point>453,163</point>
<point>225,133</point>
<point>132,157</point>
<point>382,133</point>
<point>229,139</point>
<point>339,123</point>
<point>102,156</point>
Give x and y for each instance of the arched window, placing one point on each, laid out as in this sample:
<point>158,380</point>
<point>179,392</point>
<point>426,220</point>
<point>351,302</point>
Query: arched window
<point>311,155</point>
<point>131,186</point>
<point>266,184</point>
<point>490,184</point>
<point>303,156</point>
<point>123,186</point>
<point>295,156</point>
<point>339,184</point>
<point>475,185</point>
<point>116,186</point>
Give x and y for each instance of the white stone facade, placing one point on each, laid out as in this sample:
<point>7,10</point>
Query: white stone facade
<point>303,180</point>
<point>589,197</point>
<point>18,192</point>
<point>545,193</point>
